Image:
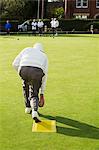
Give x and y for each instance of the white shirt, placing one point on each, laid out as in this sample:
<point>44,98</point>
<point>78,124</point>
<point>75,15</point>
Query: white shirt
<point>57,23</point>
<point>54,23</point>
<point>33,56</point>
<point>40,24</point>
<point>34,24</point>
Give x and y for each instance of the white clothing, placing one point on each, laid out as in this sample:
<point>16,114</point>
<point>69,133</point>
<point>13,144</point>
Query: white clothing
<point>33,56</point>
<point>54,23</point>
<point>57,23</point>
<point>40,24</point>
<point>34,24</point>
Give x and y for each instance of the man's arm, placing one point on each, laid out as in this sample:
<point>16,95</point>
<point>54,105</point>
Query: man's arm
<point>44,79</point>
<point>42,99</point>
<point>16,62</point>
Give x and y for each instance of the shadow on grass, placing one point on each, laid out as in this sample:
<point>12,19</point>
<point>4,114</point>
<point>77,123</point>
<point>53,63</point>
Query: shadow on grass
<point>75,128</point>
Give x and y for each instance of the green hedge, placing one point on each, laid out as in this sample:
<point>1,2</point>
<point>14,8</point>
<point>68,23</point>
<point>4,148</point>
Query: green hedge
<point>77,25</point>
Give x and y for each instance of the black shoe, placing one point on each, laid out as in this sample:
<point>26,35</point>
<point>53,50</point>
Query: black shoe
<point>35,116</point>
<point>36,120</point>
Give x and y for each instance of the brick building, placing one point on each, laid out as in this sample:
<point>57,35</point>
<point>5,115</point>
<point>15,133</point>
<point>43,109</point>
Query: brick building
<point>77,8</point>
<point>82,9</point>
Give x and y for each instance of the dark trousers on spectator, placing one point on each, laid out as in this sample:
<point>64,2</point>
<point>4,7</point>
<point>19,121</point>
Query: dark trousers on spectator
<point>34,32</point>
<point>40,31</point>
<point>53,31</point>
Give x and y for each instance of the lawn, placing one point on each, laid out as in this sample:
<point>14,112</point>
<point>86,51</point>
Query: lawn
<point>72,94</point>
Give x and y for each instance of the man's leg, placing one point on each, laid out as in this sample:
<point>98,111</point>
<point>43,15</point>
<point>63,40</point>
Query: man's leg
<point>53,29</point>
<point>26,93</point>
<point>33,76</point>
<point>35,99</point>
<point>26,97</point>
<point>34,94</point>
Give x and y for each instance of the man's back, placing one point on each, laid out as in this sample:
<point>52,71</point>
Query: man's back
<point>33,57</point>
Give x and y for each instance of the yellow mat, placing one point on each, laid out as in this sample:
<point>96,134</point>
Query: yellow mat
<point>44,126</point>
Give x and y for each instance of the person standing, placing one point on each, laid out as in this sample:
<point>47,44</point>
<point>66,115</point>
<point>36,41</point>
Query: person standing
<point>34,27</point>
<point>8,27</point>
<point>53,26</point>
<point>56,26</point>
<point>91,28</point>
<point>40,26</point>
<point>32,66</point>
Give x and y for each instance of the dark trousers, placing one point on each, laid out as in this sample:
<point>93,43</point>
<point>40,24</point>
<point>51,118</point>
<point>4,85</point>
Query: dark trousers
<point>40,31</point>
<point>8,31</point>
<point>32,78</point>
<point>34,32</point>
<point>53,31</point>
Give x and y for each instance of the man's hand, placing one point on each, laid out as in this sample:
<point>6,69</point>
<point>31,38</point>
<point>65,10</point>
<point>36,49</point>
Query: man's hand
<point>41,101</point>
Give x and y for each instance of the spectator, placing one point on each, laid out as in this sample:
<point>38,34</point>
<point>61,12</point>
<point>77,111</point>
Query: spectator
<point>34,27</point>
<point>8,27</point>
<point>56,25</point>
<point>91,28</point>
<point>40,26</point>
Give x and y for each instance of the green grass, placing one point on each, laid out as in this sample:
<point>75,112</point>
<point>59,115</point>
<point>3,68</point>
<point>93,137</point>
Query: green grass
<point>72,95</point>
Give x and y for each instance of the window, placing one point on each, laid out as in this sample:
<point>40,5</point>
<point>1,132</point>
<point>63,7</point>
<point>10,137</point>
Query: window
<point>97,3</point>
<point>81,17</point>
<point>81,3</point>
<point>78,3</point>
<point>85,3</point>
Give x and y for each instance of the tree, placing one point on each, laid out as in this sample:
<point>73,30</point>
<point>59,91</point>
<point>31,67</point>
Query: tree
<point>2,7</point>
<point>30,9</point>
<point>18,9</point>
<point>59,12</point>
<point>11,8</point>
